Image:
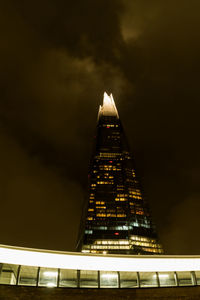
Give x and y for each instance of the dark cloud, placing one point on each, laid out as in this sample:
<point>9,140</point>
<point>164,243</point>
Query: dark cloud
<point>57,58</point>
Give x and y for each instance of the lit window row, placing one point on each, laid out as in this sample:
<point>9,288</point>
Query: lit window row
<point>100,207</point>
<point>112,242</point>
<point>135,197</point>
<point>142,238</point>
<point>120,199</point>
<point>139,212</point>
<point>110,215</point>
<point>122,195</point>
<point>110,125</point>
<point>106,154</point>
<point>88,231</point>
<point>105,182</point>
<point>109,247</point>
<point>144,244</point>
<point>135,192</point>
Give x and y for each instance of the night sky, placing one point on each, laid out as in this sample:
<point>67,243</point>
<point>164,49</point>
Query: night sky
<point>57,57</point>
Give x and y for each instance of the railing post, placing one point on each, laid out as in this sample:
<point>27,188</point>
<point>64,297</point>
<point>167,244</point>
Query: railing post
<point>176,279</point>
<point>78,278</point>
<point>18,274</point>
<point>38,275</point>
<point>58,278</point>
<point>194,279</point>
<point>138,279</point>
<point>1,267</point>
<point>157,279</point>
<point>119,283</point>
<point>98,279</point>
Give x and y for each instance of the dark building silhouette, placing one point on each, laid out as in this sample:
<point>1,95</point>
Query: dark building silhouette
<point>116,218</point>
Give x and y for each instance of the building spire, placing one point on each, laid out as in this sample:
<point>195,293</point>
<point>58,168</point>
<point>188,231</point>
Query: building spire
<point>108,108</point>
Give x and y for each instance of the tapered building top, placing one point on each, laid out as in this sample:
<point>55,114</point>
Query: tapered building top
<point>116,217</point>
<point>108,108</point>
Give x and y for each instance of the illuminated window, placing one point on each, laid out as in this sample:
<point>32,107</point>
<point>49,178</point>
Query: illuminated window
<point>48,277</point>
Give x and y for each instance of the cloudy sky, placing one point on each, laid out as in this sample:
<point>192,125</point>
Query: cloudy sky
<point>57,57</point>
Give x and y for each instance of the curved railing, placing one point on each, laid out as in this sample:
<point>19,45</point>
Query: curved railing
<point>33,267</point>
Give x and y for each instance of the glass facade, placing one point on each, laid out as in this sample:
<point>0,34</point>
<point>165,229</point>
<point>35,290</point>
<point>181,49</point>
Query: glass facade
<point>89,279</point>
<point>116,218</point>
<point>167,278</point>
<point>52,277</point>
<point>68,278</point>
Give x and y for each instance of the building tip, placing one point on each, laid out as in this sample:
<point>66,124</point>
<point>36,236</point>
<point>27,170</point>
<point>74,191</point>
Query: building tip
<point>108,108</point>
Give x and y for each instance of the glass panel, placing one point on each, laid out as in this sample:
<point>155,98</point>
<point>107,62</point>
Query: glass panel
<point>184,278</point>
<point>148,279</point>
<point>68,278</point>
<point>28,275</point>
<point>89,279</point>
<point>197,273</point>
<point>128,279</point>
<point>48,277</point>
<point>108,279</point>
<point>166,278</point>
<point>8,274</point>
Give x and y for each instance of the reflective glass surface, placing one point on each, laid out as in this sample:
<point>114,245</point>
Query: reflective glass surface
<point>8,274</point>
<point>166,278</point>
<point>197,273</point>
<point>28,275</point>
<point>128,280</point>
<point>89,279</point>
<point>48,277</point>
<point>109,279</point>
<point>148,279</point>
<point>184,278</point>
<point>68,278</point>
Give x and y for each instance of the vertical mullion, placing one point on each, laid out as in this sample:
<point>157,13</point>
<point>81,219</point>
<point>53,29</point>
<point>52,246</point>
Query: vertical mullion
<point>157,279</point>
<point>98,279</point>
<point>1,267</point>
<point>38,275</point>
<point>138,279</point>
<point>18,273</point>
<point>78,278</point>
<point>176,279</point>
<point>194,279</point>
<point>119,283</point>
<point>58,278</point>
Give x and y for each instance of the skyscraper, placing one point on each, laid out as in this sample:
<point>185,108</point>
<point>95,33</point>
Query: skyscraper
<point>116,218</point>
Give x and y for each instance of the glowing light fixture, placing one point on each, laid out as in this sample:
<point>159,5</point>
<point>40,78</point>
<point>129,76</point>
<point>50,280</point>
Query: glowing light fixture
<point>109,276</point>
<point>86,261</point>
<point>51,284</point>
<point>50,274</point>
<point>108,108</point>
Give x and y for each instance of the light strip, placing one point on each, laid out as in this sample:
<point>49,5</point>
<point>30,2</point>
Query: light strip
<point>80,261</point>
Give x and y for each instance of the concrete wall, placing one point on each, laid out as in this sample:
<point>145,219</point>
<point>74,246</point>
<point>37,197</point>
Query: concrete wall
<point>39,293</point>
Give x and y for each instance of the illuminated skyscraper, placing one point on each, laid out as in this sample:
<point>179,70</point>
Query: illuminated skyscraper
<point>116,218</point>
